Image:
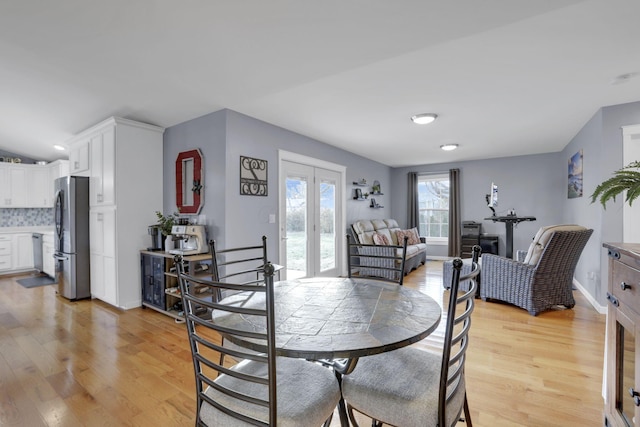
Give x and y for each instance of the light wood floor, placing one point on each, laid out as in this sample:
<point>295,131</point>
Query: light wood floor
<point>85,363</point>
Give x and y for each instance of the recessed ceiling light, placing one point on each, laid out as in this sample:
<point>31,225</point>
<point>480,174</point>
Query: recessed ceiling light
<point>59,147</point>
<point>623,78</point>
<point>449,147</point>
<point>423,119</point>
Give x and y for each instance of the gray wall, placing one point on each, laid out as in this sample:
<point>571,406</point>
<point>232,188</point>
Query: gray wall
<point>208,134</point>
<point>532,185</point>
<point>223,137</point>
<point>601,142</point>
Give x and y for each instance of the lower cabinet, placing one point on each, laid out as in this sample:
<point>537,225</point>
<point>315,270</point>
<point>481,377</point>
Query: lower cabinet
<point>6,243</point>
<point>153,280</point>
<point>22,251</point>
<point>16,252</point>
<point>622,407</point>
<point>102,255</point>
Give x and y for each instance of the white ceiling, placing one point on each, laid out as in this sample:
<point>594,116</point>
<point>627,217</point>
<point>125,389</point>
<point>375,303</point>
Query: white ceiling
<point>506,77</point>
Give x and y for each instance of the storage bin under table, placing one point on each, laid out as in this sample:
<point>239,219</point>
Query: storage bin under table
<point>447,274</point>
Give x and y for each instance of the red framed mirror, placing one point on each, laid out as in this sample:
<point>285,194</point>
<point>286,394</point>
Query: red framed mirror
<point>189,182</point>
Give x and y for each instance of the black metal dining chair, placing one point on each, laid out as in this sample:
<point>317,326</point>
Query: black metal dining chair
<point>242,264</point>
<point>261,389</point>
<point>381,262</point>
<point>412,387</point>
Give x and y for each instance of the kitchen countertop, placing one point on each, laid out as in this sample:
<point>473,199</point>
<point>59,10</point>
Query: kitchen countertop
<point>44,229</point>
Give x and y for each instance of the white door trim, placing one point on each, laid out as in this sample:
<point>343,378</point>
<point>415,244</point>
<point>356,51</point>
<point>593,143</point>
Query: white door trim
<point>310,161</point>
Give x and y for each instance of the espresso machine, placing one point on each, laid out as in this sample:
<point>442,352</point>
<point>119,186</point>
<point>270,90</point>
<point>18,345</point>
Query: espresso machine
<point>189,239</point>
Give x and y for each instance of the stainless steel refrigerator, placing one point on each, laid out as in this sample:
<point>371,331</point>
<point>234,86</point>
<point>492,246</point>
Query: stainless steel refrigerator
<point>71,214</point>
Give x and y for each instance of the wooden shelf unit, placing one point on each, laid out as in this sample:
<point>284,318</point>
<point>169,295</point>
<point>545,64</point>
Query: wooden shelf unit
<point>159,279</point>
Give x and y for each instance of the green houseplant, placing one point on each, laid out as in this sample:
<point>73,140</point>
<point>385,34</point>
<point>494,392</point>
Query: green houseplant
<point>166,222</point>
<point>625,179</point>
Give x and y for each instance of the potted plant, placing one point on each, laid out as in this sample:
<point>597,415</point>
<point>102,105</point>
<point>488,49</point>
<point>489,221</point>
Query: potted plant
<point>165,224</point>
<point>625,179</point>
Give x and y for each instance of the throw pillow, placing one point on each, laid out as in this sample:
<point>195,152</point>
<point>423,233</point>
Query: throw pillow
<point>412,235</point>
<point>380,239</point>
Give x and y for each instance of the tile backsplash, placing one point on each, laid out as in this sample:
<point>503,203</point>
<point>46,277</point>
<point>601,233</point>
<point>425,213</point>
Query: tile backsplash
<point>26,217</point>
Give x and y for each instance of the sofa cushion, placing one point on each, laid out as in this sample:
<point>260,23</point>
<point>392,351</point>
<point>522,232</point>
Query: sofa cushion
<point>381,239</point>
<point>541,239</point>
<point>414,249</point>
<point>412,234</point>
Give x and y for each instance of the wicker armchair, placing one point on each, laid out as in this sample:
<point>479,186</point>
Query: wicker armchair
<point>545,278</point>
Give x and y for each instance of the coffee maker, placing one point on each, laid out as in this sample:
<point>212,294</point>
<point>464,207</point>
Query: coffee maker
<point>157,239</point>
<point>191,239</point>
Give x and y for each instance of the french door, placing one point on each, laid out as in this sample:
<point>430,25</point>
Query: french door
<point>311,218</point>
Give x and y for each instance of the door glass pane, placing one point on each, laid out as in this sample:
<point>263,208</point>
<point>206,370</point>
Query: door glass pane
<point>327,225</point>
<point>296,223</point>
<point>627,374</point>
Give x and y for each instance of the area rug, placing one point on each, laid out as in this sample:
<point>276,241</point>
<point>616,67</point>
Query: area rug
<point>34,282</point>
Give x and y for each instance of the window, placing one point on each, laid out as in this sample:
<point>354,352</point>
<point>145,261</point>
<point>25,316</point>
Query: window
<point>433,204</point>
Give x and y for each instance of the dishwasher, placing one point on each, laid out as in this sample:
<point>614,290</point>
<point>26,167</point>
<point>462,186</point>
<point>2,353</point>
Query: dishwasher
<point>37,251</point>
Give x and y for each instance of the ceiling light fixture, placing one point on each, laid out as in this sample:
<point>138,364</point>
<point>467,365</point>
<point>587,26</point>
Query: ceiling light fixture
<point>423,119</point>
<point>623,78</point>
<point>59,147</point>
<point>449,147</point>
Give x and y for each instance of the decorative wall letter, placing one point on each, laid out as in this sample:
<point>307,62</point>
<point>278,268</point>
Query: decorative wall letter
<point>253,177</point>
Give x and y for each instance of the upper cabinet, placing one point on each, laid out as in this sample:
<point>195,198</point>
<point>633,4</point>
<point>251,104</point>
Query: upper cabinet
<point>29,186</point>
<point>13,191</point>
<point>38,188</point>
<point>102,167</point>
<point>79,157</point>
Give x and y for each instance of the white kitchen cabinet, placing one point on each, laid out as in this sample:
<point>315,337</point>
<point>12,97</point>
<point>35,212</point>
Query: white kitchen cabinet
<point>102,167</point>
<point>6,243</point>
<point>57,169</point>
<point>125,192</point>
<point>38,187</point>
<point>13,191</point>
<point>29,186</point>
<point>102,254</point>
<point>48,249</point>
<point>22,251</point>
<point>79,156</point>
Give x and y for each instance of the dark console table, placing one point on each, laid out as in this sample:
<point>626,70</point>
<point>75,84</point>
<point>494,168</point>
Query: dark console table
<point>509,220</point>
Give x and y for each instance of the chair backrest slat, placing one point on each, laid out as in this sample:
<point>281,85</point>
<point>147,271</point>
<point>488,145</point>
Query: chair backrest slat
<point>216,383</point>
<point>456,341</point>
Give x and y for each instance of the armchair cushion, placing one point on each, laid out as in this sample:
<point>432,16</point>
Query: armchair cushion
<point>541,239</point>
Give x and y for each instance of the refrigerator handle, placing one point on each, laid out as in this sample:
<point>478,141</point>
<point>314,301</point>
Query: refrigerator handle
<point>60,257</point>
<point>57,209</point>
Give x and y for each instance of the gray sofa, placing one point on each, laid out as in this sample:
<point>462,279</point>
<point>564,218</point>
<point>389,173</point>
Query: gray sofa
<point>364,229</point>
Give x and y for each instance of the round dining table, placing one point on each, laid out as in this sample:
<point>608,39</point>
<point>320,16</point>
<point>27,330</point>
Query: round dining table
<point>337,320</point>
<point>332,317</point>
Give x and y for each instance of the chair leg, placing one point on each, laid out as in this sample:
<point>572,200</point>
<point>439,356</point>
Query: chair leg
<point>352,418</point>
<point>467,414</point>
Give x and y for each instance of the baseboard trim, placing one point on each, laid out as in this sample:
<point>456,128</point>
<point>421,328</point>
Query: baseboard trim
<point>599,308</point>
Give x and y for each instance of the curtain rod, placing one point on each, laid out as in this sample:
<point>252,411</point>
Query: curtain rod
<point>432,172</point>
